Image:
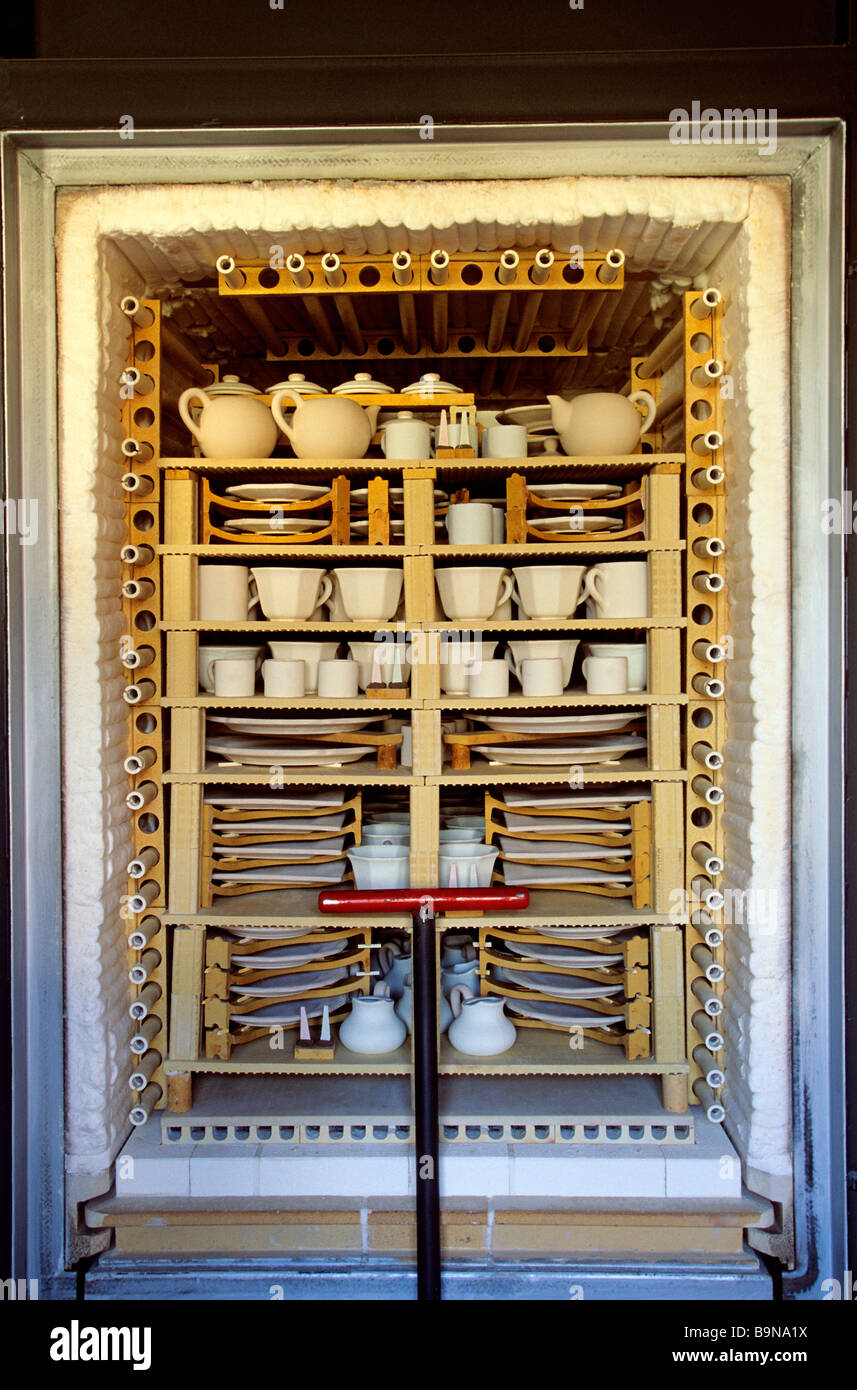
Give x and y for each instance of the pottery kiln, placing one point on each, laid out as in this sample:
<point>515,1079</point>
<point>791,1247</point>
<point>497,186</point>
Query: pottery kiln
<point>740,248</point>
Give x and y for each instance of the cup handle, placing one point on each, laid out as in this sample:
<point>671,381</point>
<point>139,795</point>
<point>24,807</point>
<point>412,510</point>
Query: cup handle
<point>252,595</point>
<point>209,671</point>
<point>325,591</point>
<point>648,400</point>
<point>457,995</point>
<point>510,660</point>
<point>469,952</point>
<point>277,411</point>
<point>193,393</point>
<point>584,666</point>
<point>507,587</point>
<point>589,585</point>
<point>260,662</point>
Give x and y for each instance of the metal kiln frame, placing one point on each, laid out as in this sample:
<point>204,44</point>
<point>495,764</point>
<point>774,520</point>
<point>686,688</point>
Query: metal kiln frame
<point>35,164</point>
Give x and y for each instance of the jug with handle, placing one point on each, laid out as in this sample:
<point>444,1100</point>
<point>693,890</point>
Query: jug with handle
<point>480,1026</point>
<point>405,1008</point>
<point>325,426</point>
<point>230,426</point>
<point>394,965</point>
<point>372,1027</point>
<point>601,422</point>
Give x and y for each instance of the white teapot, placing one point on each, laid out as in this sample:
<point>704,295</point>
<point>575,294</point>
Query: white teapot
<point>480,1026</point>
<point>601,422</point>
<point>325,427</point>
<point>233,423</point>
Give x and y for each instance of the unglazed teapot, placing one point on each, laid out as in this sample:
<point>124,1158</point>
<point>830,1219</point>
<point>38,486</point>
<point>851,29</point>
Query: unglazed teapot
<point>233,422</point>
<point>325,427</point>
<point>601,422</point>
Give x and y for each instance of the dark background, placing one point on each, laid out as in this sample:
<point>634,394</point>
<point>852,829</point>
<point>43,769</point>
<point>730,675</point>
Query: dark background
<point>239,63</point>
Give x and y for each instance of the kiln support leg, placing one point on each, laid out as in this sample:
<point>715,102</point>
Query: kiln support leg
<point>426,1105</point>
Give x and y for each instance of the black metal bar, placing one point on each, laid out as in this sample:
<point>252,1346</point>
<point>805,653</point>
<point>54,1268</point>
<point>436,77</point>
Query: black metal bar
<point>426,1105</point>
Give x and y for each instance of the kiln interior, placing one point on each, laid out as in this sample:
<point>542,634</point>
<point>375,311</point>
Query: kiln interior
<point>507,342</point>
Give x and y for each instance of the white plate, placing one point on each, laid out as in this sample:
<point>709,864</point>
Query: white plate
<point>557,851</point>
<point>290,984</point>
<point>554,955</point>
<point>569,492</point>
<point>263,933</point>
<point>535,417</point>
<point>254,753</point>
<point>574,525</point>
<point>287,826</point>
<point>535,755</point>
<point>560,986</point>
<point>530,796</point>
<point>289,801</point>
<point>304,954</point>
<point>279,492</point>
<point>258,724</point>
<point>583,933</point>
<point>285,874</point>
<point>570,723</point>
<point>286,1015</point>
<point>570,1016</point>
<point>279,849</point>
<point>535,875</point>
<point>274,526</point>
<point>546,824</point>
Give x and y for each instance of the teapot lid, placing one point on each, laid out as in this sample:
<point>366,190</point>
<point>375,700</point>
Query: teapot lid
<point>230,385</point>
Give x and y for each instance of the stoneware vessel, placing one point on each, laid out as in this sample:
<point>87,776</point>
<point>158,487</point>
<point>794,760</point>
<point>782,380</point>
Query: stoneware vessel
<point>229,426</point>
<point>395,966</point>
<point>601,422</point>
<point>372,1028</point>
<point>331,427</point>
<point>405,1008</point>
<point>480,1026</point>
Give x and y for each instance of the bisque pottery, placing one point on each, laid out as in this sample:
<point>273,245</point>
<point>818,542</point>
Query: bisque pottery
<point>405,1008</point>
<point>372,1027</point>
<point>395,966</point>
<point>601,422</point>
<point>480,1026</point>
<point>325,426</point>
<point>463,972</point>
<point>230,425</point>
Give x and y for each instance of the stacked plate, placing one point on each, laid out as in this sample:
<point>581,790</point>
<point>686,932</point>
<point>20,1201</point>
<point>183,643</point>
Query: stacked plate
<point>257,741</point>
<point>295,849</point>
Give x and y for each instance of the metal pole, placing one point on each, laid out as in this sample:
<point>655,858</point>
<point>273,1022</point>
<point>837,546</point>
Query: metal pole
<point>426,1105</point>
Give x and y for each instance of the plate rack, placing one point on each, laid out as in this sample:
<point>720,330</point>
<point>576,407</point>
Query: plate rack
<point>671,500</point>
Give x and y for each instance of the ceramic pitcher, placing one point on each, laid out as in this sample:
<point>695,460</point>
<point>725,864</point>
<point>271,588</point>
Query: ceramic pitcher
<point>405,1008</point>
<point>372,1027</point>
<point>480,1026</point>
<point>395,966</point>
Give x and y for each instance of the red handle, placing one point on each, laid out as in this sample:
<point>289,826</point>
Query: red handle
<point>412,899</point>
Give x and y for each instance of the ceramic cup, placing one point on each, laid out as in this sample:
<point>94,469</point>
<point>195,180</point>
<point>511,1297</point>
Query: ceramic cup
<point>337,678</point>
<point>473,593</point>
<point>606,675</point>
<point>233,676</point>
<point>290,591</point>
<point>208,654</point>
<point>225,593</point>
<point>492,678</point>
<point>548,591</point>
<point>369,592</point>
<point>542,675</point>
<point>284,679</point>
<point>470,523</point>
<point>634,653</point>
<point>504,442</point>
<point>516,652</point>
<point>458,661</point>
<point>406,438</point>
<point>619,589</point>
<point>498,525</point>
<point>310,653</point>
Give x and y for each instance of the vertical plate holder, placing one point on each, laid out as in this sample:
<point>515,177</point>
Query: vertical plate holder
<point>141,418</point>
